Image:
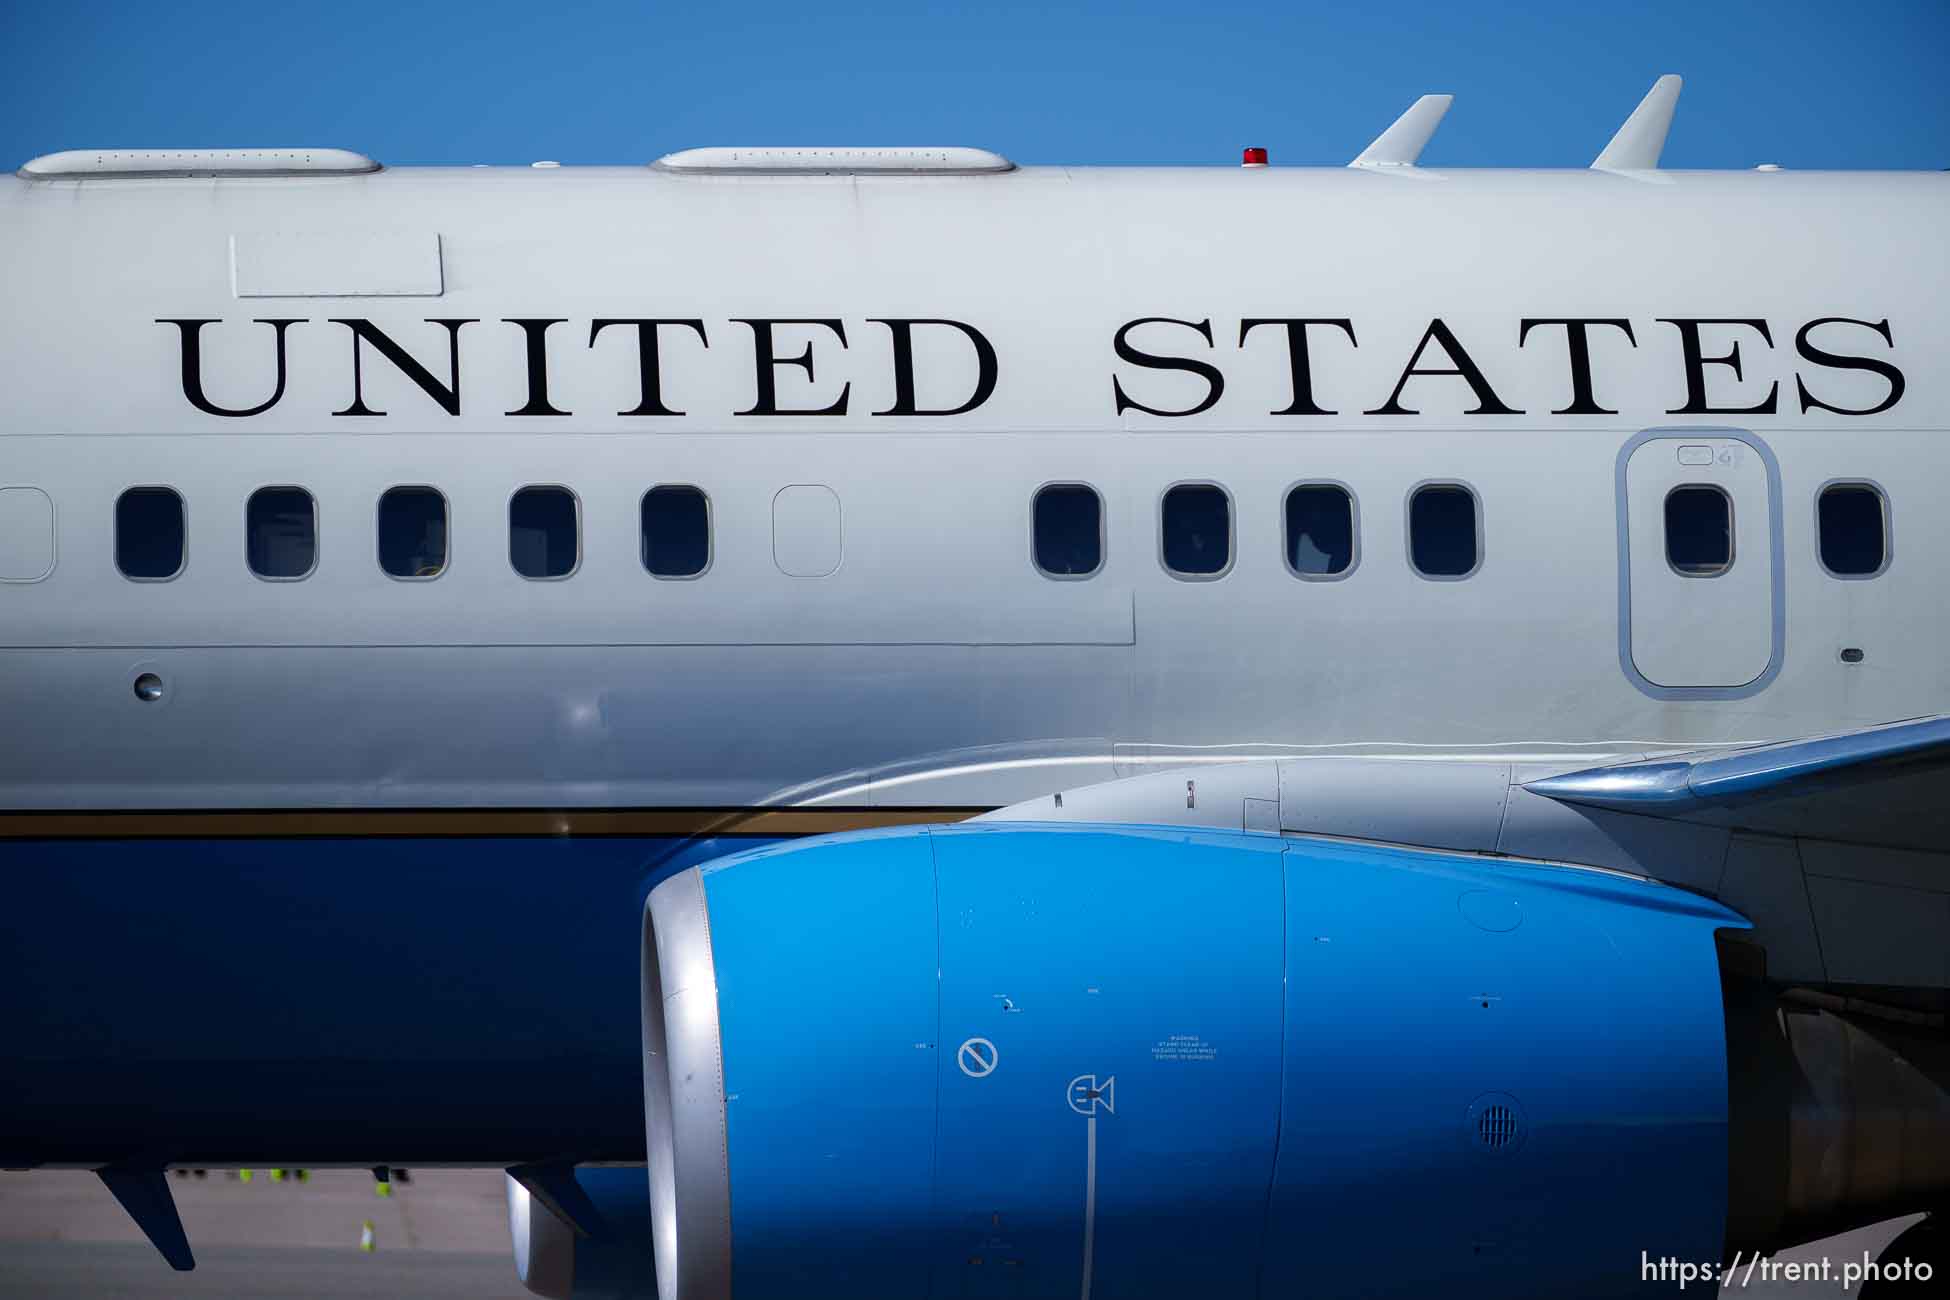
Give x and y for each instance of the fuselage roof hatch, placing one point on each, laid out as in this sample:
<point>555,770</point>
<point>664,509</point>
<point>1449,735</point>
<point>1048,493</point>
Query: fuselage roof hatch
<point>80,164</point>
<point>850,161</point>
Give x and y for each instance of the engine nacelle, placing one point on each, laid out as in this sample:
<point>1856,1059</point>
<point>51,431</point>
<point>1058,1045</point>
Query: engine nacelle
<point>1039,1060</point>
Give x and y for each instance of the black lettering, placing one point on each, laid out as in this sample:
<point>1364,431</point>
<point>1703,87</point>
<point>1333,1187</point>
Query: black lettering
<point>536,335</point>
<point>1299,363</point>
<point>192,339</point>
<point>1821,357</point>
<point>1696,365</point>
<point>766,362</point>
<point>1214,381</point>
<point>649,365</point>
<point>447,394</point>
<point>1582,402</point>
<point>1464,368</point>
<point>903,332</point>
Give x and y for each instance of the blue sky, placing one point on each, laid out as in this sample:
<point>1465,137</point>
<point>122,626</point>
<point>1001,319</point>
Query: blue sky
<point>1829,84</point>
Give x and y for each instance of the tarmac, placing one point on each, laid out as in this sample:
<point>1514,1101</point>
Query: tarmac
<point>445,1234</point>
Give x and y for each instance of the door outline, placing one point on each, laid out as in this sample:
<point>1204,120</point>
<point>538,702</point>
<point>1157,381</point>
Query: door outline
<point>1777,577</point>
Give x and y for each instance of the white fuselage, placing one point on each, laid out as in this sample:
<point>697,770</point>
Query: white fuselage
<point>905,649</point>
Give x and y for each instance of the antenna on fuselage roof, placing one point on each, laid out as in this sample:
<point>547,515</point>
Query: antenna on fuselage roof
<point>1401,144</point>
<point>1642,139</point>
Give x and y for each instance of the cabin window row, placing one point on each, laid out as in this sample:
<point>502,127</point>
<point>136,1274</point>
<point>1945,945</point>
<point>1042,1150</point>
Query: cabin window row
<point>1851,530</point>
<point>1445,530</point>
<point>281,532</point>
<point>1322,531</point>
<point>1195,536</point>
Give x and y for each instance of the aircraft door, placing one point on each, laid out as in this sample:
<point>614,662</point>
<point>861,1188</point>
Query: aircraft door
<point>1700,607</point>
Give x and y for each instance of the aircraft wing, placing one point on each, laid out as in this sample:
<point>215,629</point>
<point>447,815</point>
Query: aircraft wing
<point>1886,785</point>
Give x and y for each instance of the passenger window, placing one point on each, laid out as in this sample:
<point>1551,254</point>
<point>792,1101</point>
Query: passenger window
<point>542,529</point>
<point>1853,521</point>
<point>1069,530</point>
<point>1444,531</point>
<point>149,534</point>
<point>808,530</point>
<point>26,534</point>
<point>1319,530</point>
<point>1196,529</point>
<point>676,531</point>
<point>413,532</point>
<point>281,532</point>
<point>1699,531</point>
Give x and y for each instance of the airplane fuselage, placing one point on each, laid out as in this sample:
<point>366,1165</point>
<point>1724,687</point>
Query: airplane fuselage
<point>456,779</point>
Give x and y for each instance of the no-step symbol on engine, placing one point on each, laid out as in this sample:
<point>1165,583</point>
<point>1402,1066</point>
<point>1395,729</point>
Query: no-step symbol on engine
<point>1086,1095</point>
<point>977,1058</point>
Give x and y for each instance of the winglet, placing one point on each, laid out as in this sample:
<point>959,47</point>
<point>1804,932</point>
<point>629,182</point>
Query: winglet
<point>144,1193</point>
<point>1642,139</point>
<point>1401,144</point>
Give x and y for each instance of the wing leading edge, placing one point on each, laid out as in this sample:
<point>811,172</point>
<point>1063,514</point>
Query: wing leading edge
<point>1887,785</point>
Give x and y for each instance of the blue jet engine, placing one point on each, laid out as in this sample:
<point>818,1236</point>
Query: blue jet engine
<point>1062,1061</point>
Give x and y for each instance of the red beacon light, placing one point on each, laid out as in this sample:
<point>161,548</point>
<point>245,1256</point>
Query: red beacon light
<point>1254,157</point>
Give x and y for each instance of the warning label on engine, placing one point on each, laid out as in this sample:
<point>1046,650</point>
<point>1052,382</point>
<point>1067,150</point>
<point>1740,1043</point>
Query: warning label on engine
<point>1183,1047</point>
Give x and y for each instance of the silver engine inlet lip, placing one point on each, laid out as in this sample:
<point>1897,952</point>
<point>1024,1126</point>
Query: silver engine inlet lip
<point>683,1095</point>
